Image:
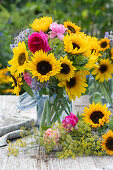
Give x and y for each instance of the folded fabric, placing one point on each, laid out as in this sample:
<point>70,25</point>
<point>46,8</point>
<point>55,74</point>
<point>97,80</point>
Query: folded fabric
<point>10,128</point>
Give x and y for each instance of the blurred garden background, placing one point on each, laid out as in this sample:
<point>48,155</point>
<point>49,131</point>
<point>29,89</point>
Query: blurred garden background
<point>95,17</point>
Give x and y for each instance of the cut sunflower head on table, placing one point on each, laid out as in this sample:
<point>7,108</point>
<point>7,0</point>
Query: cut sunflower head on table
<point>107,143</point>
<point>96,115</point>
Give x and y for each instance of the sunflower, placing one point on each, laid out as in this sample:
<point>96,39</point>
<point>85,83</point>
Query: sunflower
<point>42,24</point>
<point>107,143</point>
<point>103,70</point>
<point>91,61</point>
<point>93,47</point>
<point>76,85</point>
<point>44,65</point>
<point>19,61</point>
<point>74,44</point>
<point>111,53</point>
<point>67,70</point>
<point>96,115</point>
<point>71,27</point>
<point>17,82</point>
<point>104,44</point>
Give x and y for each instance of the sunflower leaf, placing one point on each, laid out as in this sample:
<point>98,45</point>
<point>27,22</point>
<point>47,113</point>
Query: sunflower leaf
<point>27,89</point>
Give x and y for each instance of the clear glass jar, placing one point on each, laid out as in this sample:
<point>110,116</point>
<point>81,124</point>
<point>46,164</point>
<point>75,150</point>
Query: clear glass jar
<point>49,108</point>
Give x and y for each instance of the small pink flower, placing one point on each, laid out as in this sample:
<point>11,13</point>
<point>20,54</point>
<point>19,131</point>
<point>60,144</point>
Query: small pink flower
<point>70,121</point>
<point>27,78</point>
<point>38,41</point>
<point>51,134</point>
<point>57,30</point>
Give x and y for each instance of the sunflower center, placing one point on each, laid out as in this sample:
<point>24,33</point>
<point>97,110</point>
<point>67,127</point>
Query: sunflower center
<point>109,143</point>
<point>103,68</point>
<point>65,68</point>
<point>75,46</point>
<point>70,84</point>
<point>71,29</point>
<point>15,81</point>
<point>95,116</point>
<point>21,59</point>
<point>103,44</point>
<point>44,67</point>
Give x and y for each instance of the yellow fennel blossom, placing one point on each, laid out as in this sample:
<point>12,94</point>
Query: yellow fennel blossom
<point>41,24</point>
<point>16,83</point>
<point>104,44</point>
<point>111,53</point>
<point>107,143</point>
<point>44,65</point>
<point>71,27</point>
<point>103,70</point>
<point>19,61</point>
<point>96,115</point>
<point>74,44</point>
<point>67,71</point>
<point>76,85</point>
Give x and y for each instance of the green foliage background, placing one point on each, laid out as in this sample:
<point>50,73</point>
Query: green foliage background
<point>94,16</point>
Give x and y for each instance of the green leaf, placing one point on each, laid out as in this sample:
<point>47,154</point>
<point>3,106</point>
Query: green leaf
<point>28,89</point>
<point>79,116</point>
<point>45,127</point>
<point>110,124</point>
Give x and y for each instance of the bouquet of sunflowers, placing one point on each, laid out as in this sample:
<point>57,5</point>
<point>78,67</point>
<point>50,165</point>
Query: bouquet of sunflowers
<point>51,62</point>
<point>50,65</point>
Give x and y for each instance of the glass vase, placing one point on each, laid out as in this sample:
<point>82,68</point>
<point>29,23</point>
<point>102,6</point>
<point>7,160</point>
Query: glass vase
<point>100,92</point>
<point>49,108</point>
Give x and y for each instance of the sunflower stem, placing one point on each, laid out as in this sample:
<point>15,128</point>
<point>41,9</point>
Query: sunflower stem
<point>44,114</point>
<point>48,116</point>
<point>104,91</point>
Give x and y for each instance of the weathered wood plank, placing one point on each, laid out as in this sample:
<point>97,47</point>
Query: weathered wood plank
<point>104,162</point>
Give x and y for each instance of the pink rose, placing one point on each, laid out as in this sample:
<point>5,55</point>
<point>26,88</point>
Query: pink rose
<point>51,134</point>
<point>38,41</point>
<point>57,30</point>
<point>27,78</point>
<point>70,121</point>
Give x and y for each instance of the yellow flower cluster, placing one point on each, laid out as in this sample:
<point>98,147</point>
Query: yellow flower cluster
<point>4,77</point>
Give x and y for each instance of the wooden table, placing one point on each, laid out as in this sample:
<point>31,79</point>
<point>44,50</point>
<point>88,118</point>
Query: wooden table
<point>36,159</point>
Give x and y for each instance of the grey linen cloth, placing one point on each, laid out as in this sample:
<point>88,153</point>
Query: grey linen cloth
<point>10,127</point>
